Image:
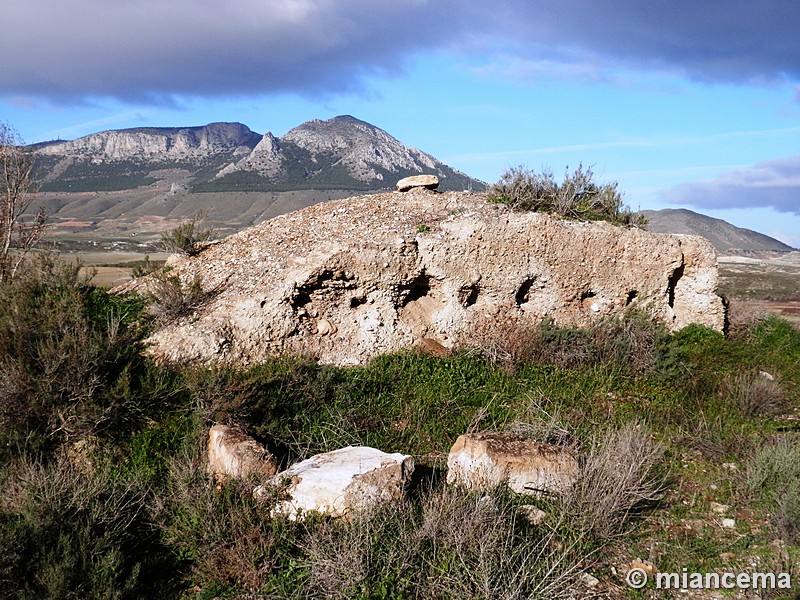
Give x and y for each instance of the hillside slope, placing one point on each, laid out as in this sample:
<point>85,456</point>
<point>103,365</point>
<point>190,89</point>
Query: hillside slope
<point>727,239</point>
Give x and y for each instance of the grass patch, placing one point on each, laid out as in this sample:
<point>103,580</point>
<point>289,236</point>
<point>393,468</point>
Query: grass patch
<point>107,494</point>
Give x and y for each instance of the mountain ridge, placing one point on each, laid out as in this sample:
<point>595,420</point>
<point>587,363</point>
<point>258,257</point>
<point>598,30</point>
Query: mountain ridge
<point>339,153</point>
<point>727,239</point>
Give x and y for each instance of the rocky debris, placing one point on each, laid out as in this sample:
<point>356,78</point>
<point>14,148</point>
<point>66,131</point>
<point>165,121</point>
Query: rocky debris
<point>81,454</point>
<point>431,347</point>
<point>338,482</point>
<point>719,508</point>
<point>429,182</point>
<point>480,461</point>
<point>533,514</point>
<point>382,283</point>
<point>232,454</point>
<point>589,580</point>
<point>643,565</point>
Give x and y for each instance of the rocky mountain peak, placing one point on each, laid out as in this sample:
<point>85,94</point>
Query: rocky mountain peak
<point>340,153</point>
<point>727,239</point>
<point>157,143</point>
<point>366,151</point>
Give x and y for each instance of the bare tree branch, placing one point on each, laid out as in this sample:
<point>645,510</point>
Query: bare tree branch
<point>17,190</point>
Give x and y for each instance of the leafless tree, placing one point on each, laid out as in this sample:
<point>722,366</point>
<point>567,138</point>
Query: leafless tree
<point>17,190</point>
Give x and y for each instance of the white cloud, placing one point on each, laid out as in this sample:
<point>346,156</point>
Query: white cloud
<point>774,183</point>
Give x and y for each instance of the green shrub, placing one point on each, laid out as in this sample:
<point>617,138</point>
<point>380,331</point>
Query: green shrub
<point>171,298</point>
<point>69,534</point>
<point>227,540</point>
<point>576,197</point>
<point>773,476</point>
<point>61,342</point>
<point>188,238</point>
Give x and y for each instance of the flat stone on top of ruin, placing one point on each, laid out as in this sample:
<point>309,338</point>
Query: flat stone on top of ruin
<point>430,182</point>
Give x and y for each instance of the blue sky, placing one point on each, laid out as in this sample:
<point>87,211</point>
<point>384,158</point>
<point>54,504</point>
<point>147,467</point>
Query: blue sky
<point>693,104</point>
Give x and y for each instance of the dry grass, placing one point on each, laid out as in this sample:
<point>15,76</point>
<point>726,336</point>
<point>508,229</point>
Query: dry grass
<point>630,341</point>
<point>757,394</point>
<point>621,476</point>
<point>170,297</point>
<point>743,317</point>
<point>451,545</point>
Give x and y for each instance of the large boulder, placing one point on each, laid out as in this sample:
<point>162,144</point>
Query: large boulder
<point>348,280</point>
<point>430,182</point>
<point>481,461</point>
<point>232,454</point>
<point>336,483</point>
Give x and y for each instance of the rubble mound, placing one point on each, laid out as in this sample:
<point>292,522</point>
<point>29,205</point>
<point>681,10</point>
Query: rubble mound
<point>351,279</point>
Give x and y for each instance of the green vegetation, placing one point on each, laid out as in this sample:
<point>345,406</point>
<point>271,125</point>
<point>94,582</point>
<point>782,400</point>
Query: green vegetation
<point>576,197</point>
<point>188,238</point>
<point>106,495</point>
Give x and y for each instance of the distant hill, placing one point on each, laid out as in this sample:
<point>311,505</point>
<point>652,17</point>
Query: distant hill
<point>727,239</point>
<point>342,153</point>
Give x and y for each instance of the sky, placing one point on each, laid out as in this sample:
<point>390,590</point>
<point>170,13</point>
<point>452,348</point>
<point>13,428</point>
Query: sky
<point>683,103</point>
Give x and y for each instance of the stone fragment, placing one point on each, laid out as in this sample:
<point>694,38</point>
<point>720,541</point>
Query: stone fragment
<point>488,459</point>
<point>430,182</point>
<point>232,454</point>
<point>644,565</point>
<point>719,508</point>
<point>431,347</point>
<point>325,327</point>
<point>338,482</point>
<point>533,514</point>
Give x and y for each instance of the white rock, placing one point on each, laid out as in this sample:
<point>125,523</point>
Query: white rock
<point>338,482</point>
<point>488,459</point>
<point>427,181</point>
<point>234,454</point>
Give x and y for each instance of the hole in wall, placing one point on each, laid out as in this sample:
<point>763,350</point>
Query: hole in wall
<point>672,283</point>
<point>522,295</point>
<point>631,297</point>
<point>468,295</point>
<point>418,288</point>
<point>357,301</point>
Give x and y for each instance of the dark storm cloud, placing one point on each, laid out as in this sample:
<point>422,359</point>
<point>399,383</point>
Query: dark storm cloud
<point>734,41</point>
<point>774,183</point>
<point>154,50</point>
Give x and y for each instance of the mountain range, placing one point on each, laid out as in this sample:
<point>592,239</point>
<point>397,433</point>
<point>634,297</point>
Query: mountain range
<point>342,153</point>
<point>727,239</point>
<point>239,177</point>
